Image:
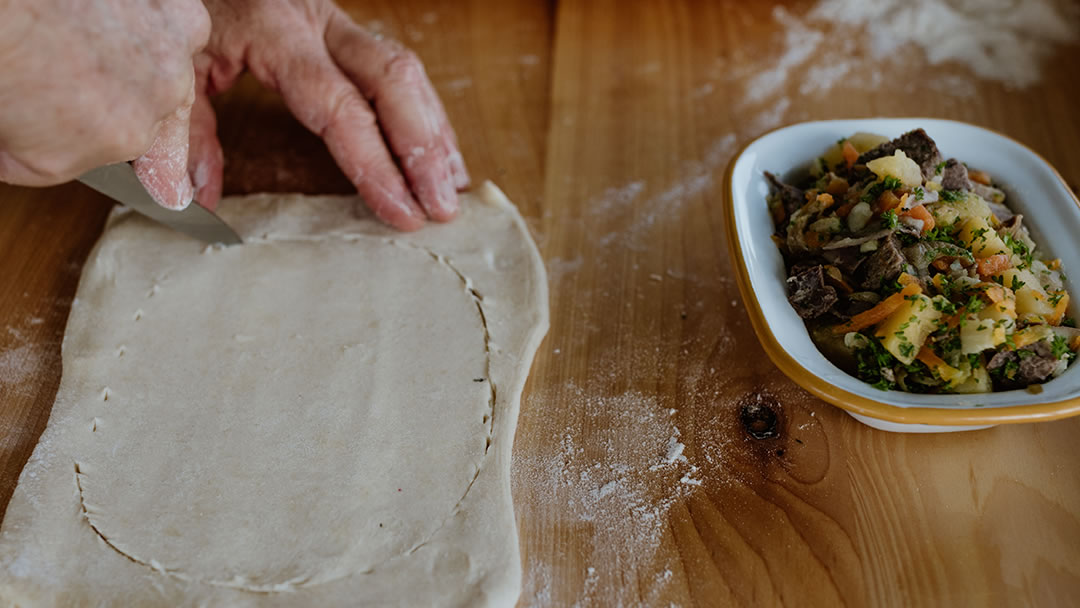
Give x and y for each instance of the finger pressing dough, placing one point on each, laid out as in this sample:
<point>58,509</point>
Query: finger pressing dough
<point>321,416</point>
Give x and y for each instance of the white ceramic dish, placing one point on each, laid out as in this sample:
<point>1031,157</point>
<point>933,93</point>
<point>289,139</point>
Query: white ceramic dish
<point>1034,189</point>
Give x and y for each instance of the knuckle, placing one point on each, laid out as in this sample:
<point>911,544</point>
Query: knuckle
<point>346,108</point>
<point>405,66</point>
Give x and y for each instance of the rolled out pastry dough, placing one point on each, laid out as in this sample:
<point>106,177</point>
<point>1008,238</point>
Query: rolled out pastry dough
<point>322,416</point>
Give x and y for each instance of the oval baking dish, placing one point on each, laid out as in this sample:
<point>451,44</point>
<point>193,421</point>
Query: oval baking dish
<point>1034,189</point>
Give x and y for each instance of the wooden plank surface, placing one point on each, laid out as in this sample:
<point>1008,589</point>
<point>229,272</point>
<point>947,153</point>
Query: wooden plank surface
<point>635,479</point>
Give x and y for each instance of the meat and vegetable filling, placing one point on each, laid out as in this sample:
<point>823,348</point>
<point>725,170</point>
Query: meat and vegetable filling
<point>913,274</point>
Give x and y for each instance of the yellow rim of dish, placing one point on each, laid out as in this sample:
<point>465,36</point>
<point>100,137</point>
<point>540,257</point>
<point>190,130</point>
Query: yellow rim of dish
<point>858,404</point>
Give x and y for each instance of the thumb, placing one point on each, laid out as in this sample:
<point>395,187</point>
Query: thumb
<point>163,168</point>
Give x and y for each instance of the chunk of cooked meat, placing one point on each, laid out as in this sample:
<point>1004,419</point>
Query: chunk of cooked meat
<point>917,145</point>
<point>791,198</point>
<point>1014,227</point>
<point>922,254</point>
<point>954,176</point>
<point>847,259</point>
<point>883,265</point>
<point>809,294</point>
<point>1030,368</point>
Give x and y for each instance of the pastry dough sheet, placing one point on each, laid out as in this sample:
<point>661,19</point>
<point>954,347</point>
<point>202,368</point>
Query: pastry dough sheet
<point>321,416</point>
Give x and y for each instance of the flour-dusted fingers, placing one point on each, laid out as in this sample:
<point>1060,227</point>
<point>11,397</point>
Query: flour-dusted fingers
<point>206,161</point>
<point>94,86</point>
<point>411,116</point>
<point>163,168</point>
<point>327,103</point>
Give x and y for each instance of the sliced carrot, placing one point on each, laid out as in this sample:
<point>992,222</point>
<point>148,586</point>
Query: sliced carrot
<point>837,186</point>
<point>939,282</point>
<point>1075,344</point>
<point>940,264</point>
<point>826,200</point>
<point>850,154</point>
<point>879,312</point>
<point>813,240</point>
<point>981,177</point>
<point>845,209</point>
<point>1059,309</point>
<point>920,213</point>
<point>887,201</point>
<point>993,265</point>
<point>994,292</point>
<point>953,321</point>
<point>929,357</point>
<point>1054,264</point>
<point>1025,337</point>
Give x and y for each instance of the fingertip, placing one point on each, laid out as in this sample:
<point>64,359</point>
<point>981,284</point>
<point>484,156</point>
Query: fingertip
<point>207,181</point>
<point>399,211</point>
<point>458,170</point>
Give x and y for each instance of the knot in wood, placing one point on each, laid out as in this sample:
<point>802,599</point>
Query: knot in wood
<point>759,417</point>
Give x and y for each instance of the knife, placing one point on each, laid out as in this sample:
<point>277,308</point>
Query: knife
<point>120,183</point>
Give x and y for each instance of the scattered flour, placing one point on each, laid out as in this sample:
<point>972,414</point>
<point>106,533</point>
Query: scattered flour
<point>854,42</point>
<point>615,490</point>
<point>1001,40</point>
<point>18,366</point>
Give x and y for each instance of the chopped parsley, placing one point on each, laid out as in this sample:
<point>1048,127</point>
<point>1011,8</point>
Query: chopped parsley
<point>872,192</point>
<point>892,183</point>
<point>1055,299</point>
<point>939,167</point>
<point>1019,248</point>
<point>974,304</point>
<point>1059,348</point>
<point>979,234</point>
<point>874,364</point>
<point>952,196</point>
<point>1016,284</point>
<point>889,219</point>
<point>944,306</point>
<point>974,360</point>
<point>919,193</point>
<point>889,287</point>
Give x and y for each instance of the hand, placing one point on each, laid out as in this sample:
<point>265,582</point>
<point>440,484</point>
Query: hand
<point>344,84</point>
<point>93,83</point>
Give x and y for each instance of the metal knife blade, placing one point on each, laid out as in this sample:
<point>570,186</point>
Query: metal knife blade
<point>120,182</point>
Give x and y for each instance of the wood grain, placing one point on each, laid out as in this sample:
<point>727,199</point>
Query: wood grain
<point>610,123</point>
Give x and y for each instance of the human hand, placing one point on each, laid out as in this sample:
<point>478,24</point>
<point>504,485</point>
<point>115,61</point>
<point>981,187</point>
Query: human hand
<point>348,86</point>
<point>98,83</point>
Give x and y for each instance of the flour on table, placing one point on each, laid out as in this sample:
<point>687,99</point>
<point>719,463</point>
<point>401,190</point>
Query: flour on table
<point>616,490</point>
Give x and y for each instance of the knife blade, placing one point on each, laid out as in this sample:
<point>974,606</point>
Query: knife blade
<point>119,182</point>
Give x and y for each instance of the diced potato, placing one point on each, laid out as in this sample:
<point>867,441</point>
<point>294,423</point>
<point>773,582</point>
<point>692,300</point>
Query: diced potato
<point>946,213</point>
<point>859,216</point>
<point>904,331</point>
<point>952,375</point>
<point>827,225</point>
<point>1033,334</point>
<point>1001,313</point>
<point>977,335</point>
<point>981,238</point>
<point>899,166</point>
<point>1030,297</point>
<point>978,380</point>
<point>863,142</point>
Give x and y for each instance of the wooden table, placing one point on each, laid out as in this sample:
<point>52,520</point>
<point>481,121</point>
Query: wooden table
<point>610,124</point>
